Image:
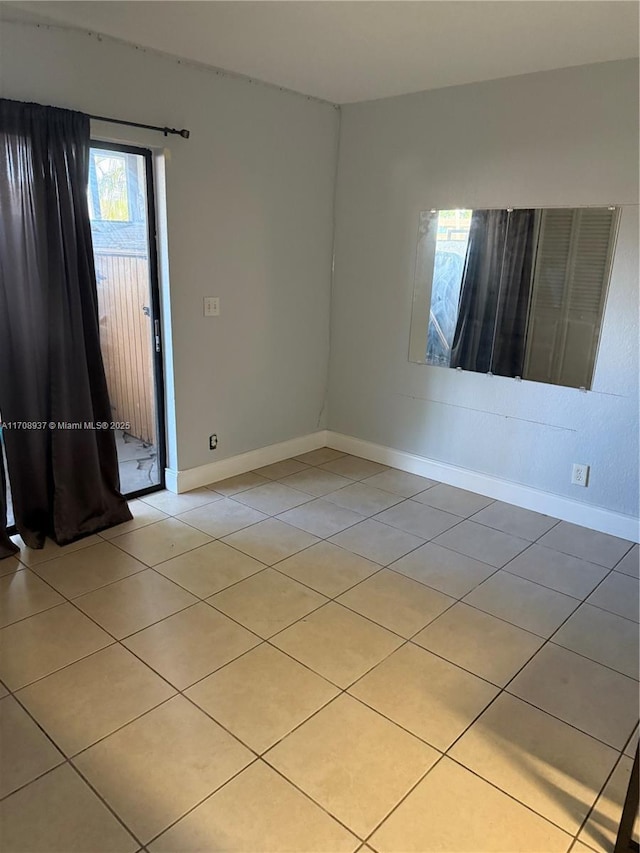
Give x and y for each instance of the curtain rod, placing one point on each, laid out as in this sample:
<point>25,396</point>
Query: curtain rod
<point>184,133</point>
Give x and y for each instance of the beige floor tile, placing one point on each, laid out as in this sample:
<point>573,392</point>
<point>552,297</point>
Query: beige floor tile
<point>32,556</point>
<point>580,692</point>
<point>143,514</point>
<point>270,541</point>
<point>419,519</point>
<point>603,637</point>
<point>632,745</point>
<point>579,847</point>
<point>327,568</point>
<point>267,602</point>
<point>320,517</point>
<point>618,593</point>
<point>378,542</point>
<point>257,811</point>
<point>451,499</point>
<point>83,702</point>
<point>134,602</point>
<point>272,498</point>
<point>352,762</point>
<point>161,541</point>
<point>523,603</point>
<point>161,765</point>
<point>587,544</point>
<point>3,691</point>
<point>316,482</point>
<point>262,696</point>
<point>9,566</point>
<point>451,809</point>
<point>26,751</point>
<point>60,813</point>
<point>443,569</point>
<point>278,470</point>
<point>41,644</point>
<point>400,482</point>
<point>354,467</point>
<point>482,543</point>
<point>23,594</point>
<point>363,499</point>
<point>222,518</point>
<point>172,503</point>
<point>523,523</point>
<point>320,456</point>
<point>542,762</point>
<point>396,602</point>
<point>630,563</point>
<point>337,644</point>
<point>209,568</point>
<point>88,569</point>
<point>601,828</point>
<point>191,644</point>
<point>558,571</point>
<point>240,483</point>
<point>425,695</point>
<point>480,643</point>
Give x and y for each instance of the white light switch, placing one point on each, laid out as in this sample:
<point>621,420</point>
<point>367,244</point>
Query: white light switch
<point>212,306</point>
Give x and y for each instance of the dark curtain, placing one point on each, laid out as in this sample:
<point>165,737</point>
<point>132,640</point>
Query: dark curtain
<point>490,332</point>
<point>473,337</point>
<point>64,482</point>
<point>513,308</point>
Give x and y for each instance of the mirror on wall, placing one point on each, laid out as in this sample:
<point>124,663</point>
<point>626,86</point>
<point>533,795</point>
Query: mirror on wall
<point>513,292</point>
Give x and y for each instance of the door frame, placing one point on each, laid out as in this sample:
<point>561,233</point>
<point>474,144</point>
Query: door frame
<point>156,308</point>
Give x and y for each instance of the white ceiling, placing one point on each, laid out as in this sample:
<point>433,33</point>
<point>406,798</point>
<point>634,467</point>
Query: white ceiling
<point>346,51</point>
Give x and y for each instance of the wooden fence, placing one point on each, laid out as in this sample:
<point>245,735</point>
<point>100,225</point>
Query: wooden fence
<point>126,337</point>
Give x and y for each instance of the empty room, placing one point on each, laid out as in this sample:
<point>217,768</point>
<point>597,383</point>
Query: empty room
<point>319,426</point>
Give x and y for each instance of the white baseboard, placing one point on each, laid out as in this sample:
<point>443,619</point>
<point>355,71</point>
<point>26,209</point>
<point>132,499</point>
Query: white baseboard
<point>597,518</point>
<point>193,478</point>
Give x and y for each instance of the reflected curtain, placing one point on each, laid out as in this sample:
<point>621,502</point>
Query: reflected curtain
<point>64,482</point>
<point>473,337</point>
<point>511,325</point>
<point>490,331</point>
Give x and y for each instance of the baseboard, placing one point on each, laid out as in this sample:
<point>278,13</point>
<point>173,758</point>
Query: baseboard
<point>597,518</point>
<point>193,478</point>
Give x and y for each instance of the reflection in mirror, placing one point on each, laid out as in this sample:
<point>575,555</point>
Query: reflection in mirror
<point>514,292</point>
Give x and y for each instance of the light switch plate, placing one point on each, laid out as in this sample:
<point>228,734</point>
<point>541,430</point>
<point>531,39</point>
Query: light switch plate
<point>211,306</point>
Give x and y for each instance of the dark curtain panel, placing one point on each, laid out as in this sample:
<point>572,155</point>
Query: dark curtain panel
<point>513,306</point>
<point>491,329</point>
<point>473,337</point>
<point>64,482</point>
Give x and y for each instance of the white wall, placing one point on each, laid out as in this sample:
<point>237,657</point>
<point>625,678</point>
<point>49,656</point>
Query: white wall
<point>566,137</point>
<point>250,200</point>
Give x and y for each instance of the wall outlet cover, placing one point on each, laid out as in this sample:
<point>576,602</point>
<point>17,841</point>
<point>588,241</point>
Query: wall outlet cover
<point>580,474</point>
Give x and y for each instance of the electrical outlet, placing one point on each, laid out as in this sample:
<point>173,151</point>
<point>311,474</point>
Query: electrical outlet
<point>213,441</point>
<point>580,474</point>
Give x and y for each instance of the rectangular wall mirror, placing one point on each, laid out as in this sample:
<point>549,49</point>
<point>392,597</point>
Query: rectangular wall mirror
<point>513,292</point>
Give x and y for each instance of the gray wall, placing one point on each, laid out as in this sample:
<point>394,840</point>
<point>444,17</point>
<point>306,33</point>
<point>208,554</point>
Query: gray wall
<point>249,201</point>
<point>565,137</point>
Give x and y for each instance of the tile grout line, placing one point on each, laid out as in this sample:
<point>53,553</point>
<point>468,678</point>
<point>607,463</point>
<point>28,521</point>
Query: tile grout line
<point>329,599</point>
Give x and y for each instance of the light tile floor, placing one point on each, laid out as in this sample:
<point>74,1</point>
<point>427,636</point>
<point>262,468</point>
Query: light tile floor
<point>315,655</point>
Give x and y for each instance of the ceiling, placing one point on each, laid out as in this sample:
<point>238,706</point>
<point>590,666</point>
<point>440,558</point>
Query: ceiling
<point>345,51</point>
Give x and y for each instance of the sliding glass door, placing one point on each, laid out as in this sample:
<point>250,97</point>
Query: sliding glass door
<point>121,206</point>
